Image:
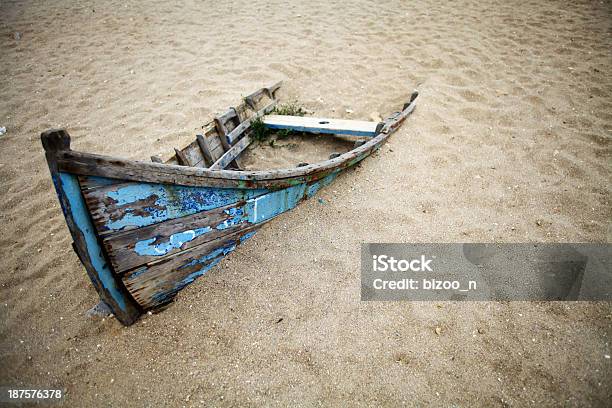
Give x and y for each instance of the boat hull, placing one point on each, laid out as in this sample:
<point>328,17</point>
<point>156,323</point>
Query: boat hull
<point>144,231</point>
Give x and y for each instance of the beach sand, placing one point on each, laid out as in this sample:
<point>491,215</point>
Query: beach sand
<point>510,142</point>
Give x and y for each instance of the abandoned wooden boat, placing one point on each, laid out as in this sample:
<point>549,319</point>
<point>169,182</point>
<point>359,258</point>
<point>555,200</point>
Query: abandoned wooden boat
<point>144,230</point>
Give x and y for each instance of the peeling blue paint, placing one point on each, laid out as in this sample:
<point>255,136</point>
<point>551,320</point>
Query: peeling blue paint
<point>256,210</point>
<point>80,215</point>
<point>314,187</point>
<point>247,236</point>
<point>148,247</point>
<point>207,262</point>
<point>270,205</point>
<point>237,217</point>
<point>167,202</point>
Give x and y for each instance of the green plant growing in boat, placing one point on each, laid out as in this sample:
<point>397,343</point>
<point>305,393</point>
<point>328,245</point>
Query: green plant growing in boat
<point>290,109</point>
<point>261,133</point>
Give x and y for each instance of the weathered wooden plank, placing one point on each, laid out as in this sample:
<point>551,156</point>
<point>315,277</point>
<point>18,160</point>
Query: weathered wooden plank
<point>238,132</point>
<point>194,155</point>
<point>214,143</point>
<point>254,100</point>
<point>223,131</point>
<point>182,159</point>
<point>129,170</point>
<point>133,205</point>
<point>233,136</point>
<point>156,284</point>
<point>231,154</point>
<point>271,90</point>
<point>203,144</point>
<point>216,149</point>
<point>212,137</point>
<point>136,247</point>
<point>88,182</point>
<point>110,289</point>
<point>322,125</point>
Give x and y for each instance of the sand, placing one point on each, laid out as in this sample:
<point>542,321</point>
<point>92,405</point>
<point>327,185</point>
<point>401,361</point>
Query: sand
<point>510,142</point>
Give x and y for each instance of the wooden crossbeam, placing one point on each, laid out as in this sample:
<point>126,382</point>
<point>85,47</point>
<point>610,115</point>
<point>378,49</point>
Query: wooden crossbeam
<point>222,131</point>
<point>231,154</point>
<point>322,125</point>
<point>236,134</point>
<point>205,148</point>
<point>238,141</point>
<point>181,158</point>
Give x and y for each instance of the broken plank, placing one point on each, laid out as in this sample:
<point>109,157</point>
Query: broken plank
<point>322,125</point>
<point>208,158</point>
<point>231,154</point>
<point>133,248</point>
<point>182,159</point>
<point>235,134</point>
<point>157,283</point>
<point>129,205</point>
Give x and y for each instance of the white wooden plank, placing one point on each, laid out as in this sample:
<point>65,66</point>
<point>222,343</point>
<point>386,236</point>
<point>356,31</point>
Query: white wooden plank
<point>321,125</point>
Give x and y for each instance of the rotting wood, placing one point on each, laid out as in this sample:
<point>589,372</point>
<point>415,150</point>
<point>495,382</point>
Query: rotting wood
<point>135,247</point>
<point>110,289</point>
<point>96,173</point>
<point>222,130</point>
<point>157,283</point>
<point>235,135</point>
<point>205,150</point>
<point>231,154</point>
<point>182,159</point>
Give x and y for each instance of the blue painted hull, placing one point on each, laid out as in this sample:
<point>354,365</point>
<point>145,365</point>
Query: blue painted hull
<point>144,231</point>
<point>152,238</point>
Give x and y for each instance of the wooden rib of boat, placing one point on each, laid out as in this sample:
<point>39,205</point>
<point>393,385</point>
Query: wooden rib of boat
<point>144,230</point>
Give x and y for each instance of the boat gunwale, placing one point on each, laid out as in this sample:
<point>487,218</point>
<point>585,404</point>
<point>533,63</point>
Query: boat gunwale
<point>81,163</point>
